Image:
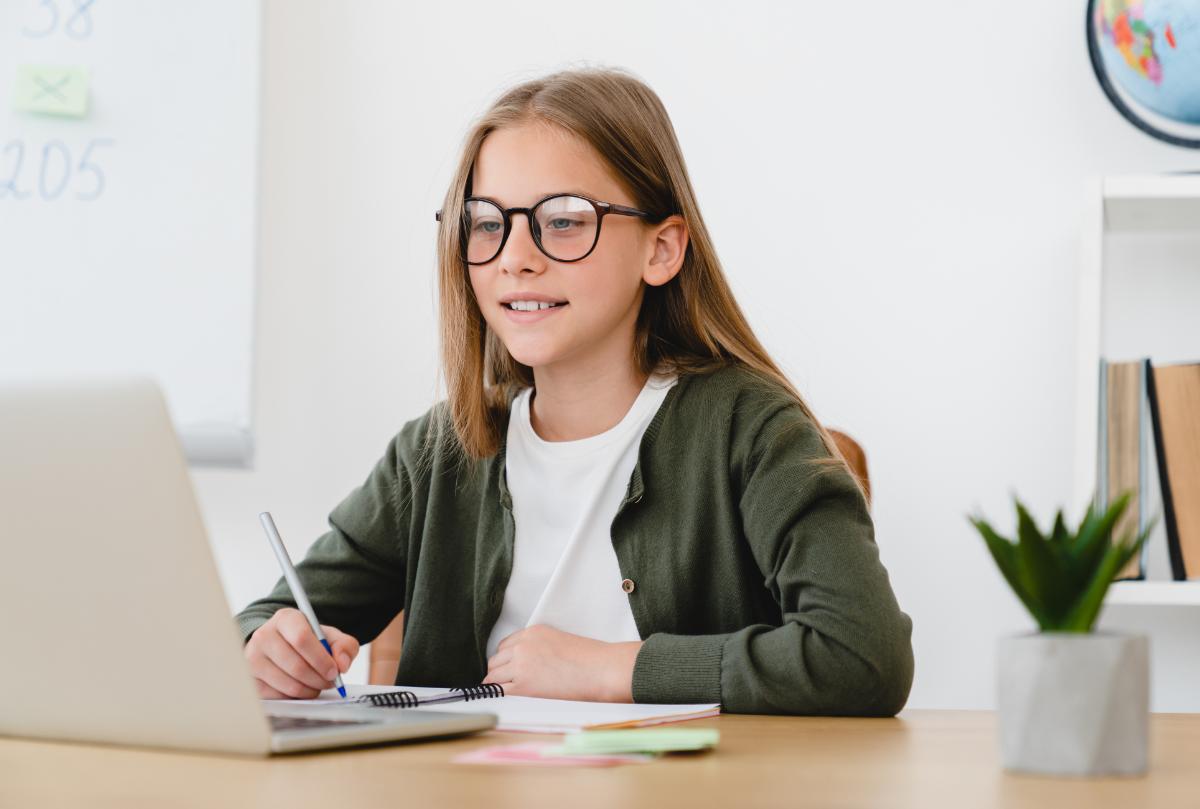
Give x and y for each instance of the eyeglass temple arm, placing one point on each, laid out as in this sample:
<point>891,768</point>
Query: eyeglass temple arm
<point>612,207</point>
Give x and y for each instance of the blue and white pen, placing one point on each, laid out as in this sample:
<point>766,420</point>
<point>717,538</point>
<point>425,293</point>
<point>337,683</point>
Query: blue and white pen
<point>297,588</point>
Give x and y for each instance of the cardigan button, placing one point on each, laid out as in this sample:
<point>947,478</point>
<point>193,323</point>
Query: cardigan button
<point>627,585</point>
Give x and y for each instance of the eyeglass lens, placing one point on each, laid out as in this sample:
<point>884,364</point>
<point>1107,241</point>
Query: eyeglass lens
<point>564,227</point>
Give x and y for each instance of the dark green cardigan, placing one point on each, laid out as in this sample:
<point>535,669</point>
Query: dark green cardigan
<point>757,579</point>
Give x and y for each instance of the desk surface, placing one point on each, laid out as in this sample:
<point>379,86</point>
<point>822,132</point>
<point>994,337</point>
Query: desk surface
<point>920,759</point>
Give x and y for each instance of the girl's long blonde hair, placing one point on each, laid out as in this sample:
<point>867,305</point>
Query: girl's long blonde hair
<point>691,324</point>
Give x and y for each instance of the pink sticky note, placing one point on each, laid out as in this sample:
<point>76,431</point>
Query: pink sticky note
<point>532,753</point>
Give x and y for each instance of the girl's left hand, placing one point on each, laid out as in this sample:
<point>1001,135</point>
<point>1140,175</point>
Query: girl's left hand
<point>540,661</point>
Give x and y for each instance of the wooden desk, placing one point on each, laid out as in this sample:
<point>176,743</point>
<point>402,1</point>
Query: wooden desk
<point>920,759</point>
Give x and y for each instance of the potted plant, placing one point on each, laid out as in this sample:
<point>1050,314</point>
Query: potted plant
<point>1071,701</point>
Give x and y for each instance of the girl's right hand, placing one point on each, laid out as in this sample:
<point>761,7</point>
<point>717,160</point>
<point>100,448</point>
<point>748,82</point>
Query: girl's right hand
<point>287,660</point>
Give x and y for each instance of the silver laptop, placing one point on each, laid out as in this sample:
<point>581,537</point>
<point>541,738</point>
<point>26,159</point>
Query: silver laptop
<point>116,627</point>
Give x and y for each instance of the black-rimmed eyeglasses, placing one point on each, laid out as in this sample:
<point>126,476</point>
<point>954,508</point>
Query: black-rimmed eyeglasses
<point>566,227</point>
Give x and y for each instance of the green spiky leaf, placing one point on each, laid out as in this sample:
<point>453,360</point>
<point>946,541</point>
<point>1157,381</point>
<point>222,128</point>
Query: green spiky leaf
<point>1116,556</point>
<point>1005,554</point>
<point>1043,566</point>
<point>1062,578</point>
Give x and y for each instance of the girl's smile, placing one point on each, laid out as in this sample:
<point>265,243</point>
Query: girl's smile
<point>530,307</point>
<point>532,315</point>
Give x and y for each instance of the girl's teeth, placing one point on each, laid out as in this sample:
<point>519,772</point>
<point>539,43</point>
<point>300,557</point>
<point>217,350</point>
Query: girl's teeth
<point>530,306</point>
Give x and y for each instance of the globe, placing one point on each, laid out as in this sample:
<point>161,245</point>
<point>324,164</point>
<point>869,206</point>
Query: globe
<point>1146,55</point>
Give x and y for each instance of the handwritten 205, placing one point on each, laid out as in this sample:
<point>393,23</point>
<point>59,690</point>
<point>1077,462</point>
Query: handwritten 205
<point>54,171</point>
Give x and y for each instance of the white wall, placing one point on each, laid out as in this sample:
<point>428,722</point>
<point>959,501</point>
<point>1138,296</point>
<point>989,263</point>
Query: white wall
<point>930,164</point>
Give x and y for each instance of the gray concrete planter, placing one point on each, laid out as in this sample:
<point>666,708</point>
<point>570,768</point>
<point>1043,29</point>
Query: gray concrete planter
<point>1074,703</point>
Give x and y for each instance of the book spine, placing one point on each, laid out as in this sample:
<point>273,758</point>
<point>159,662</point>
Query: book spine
<point>1143,418</point>
<point>1102,441</point>
<point>1178,573</point>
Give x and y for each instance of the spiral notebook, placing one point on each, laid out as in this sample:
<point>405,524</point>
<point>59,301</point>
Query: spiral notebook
<point>409,699</point>
<point>522,714</point>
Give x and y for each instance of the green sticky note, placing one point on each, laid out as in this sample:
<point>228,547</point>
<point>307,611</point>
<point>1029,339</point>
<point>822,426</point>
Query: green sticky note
<point>51,90</point>
<point>639,740</point>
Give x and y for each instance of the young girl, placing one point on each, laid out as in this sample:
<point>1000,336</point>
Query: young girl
<point>622,497</point>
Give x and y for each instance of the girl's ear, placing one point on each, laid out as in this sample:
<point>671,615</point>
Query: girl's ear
<point>670,241</point>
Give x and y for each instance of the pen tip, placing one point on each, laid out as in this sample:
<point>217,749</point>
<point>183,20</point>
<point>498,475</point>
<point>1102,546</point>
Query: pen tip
<point>342,691</point>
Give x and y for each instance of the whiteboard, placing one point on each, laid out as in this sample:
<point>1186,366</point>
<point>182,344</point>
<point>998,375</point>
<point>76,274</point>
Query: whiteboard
<point>127,235</point>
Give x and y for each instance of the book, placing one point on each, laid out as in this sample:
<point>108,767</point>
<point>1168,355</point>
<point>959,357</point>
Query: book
<point>1174,396</point>
<point>524,714</point>
<point>1122,457</point>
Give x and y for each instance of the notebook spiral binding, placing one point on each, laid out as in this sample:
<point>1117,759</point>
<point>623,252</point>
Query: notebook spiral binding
<point>407,699</point>
<point>485,691</point>
<point>396,699</point>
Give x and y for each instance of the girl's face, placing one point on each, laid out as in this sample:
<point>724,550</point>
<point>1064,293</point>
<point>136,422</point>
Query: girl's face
<point>598,297</point>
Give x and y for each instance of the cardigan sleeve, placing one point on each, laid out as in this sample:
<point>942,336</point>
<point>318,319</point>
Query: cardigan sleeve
<point>353,574</point>
<point>843,646</point>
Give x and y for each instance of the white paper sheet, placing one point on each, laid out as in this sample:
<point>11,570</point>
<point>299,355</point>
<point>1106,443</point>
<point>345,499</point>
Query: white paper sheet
<point>534,715</point>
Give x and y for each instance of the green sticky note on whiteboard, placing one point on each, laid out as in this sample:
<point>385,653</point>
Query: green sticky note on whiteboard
<point>50,90</point>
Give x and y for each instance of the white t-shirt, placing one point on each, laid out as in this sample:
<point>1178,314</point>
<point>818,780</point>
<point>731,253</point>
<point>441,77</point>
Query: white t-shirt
<point>564,497</point>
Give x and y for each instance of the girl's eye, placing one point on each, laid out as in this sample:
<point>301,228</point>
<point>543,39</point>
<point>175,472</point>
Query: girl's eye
<point>488,226</point>
<point>560,223</point>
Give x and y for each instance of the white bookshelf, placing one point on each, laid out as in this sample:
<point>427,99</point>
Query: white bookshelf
<point>1154,593</point>
<point>1133,307</point>
<point>1157,203</point>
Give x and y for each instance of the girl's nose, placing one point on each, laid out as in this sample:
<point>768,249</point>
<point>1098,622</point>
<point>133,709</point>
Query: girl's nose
<point>520,254</point>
